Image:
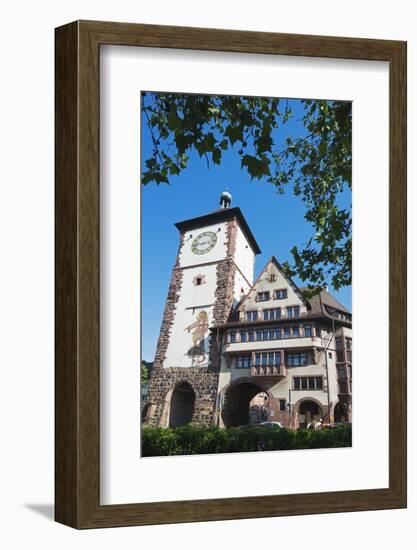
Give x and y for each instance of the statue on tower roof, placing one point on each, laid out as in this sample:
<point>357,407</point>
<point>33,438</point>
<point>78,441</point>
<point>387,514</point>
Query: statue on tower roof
<point>225,199</point>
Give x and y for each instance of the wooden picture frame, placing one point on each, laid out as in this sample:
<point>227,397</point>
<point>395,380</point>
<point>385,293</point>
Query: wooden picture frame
<point>77,405</point>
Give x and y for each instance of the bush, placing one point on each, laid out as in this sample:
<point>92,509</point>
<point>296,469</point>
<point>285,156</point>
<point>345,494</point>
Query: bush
<point>187,440</point>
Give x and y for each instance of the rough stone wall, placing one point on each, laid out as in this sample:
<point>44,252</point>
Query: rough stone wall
<point>226,271</point>
<point>231,233</point>
<point>168,318</point>
<point>163,382</point>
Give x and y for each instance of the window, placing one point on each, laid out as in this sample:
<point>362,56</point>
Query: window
<point>295,332</point>
<point>307,330</point>
<point>293,311</point>
<point>339,342</point>
<point>277,333</point>
<point>263,296</point>
<point>287,332</point>
<point>330,355</point>
<point>199,280</point>
<point>265,335</point>
<point>259,335</point>
<point>251,316</point>
<point>243,336</point>
<point>271,334</point>
<point>233,337</point>
<point>282,404</point>
<point>308,383</point>
<point>348,343</point>
<point>251,336</point>
<point>243,362</point>
<point>281,294</point>
<point>296,359</point>
<point>340,356</point>
<point>349,355</point>
<point>268,359</point>
<point>272,277</point>
<point>270,314</point>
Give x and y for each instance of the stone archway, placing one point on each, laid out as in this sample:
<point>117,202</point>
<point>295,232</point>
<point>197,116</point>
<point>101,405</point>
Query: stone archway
<point>238,397</point>
<point>308,410</point>
<point>340,413</point>
<point>182,404</point>
<point>259,408</point>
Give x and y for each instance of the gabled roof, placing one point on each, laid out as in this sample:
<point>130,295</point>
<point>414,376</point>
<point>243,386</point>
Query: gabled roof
<point>324,298</point>
<point>322,304</point>
<point>221,215</point>
<point>274,261</point>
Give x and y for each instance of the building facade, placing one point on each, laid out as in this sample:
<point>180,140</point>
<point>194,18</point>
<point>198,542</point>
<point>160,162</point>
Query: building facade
<point>232,351</point>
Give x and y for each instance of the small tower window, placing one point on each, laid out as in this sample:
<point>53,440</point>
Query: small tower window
<point>199,280</point>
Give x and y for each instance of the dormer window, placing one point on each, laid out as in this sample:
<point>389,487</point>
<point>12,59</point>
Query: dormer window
<point>280,294</point>
<point>263,296</point>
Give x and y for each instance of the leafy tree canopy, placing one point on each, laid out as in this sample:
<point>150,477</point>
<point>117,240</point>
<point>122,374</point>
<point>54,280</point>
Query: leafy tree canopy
<point>315,165</point>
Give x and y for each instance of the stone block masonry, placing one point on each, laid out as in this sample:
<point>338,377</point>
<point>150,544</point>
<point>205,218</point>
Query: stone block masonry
<point>164,381</point>
<point>169,316</point>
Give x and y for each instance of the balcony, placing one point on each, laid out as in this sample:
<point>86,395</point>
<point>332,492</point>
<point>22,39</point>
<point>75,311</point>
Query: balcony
<point>273,373</point>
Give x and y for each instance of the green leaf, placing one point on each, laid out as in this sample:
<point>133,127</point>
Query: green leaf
<point>173,121</point>
<point>174,170</point>
<point>234,133</point>
<point>256,167</point>
<point>216,156</point>
<point>264,143</point>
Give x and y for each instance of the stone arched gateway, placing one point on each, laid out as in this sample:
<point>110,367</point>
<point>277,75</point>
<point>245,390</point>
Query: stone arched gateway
<point>204,383</point>
<point>340,413</point>
<point>179,405</point>
<point>182,405</point>
<point>236,398</point>
<point>306,410</point>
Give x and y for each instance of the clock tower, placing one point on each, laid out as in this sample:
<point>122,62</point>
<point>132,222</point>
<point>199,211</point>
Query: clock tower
<point>213,270</point>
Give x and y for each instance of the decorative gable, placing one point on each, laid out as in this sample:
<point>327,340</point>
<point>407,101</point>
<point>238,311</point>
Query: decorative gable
<point>272,290</point>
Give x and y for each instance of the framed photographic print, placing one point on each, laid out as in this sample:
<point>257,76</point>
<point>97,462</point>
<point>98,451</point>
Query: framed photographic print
<point>230,274</point>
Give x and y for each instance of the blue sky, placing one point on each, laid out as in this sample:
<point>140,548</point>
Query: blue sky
<point>277,222</point>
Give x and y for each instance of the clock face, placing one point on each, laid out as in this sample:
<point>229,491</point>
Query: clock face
<point>204,242</point>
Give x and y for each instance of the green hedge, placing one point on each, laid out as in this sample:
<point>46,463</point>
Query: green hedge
<point>188,440</point>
